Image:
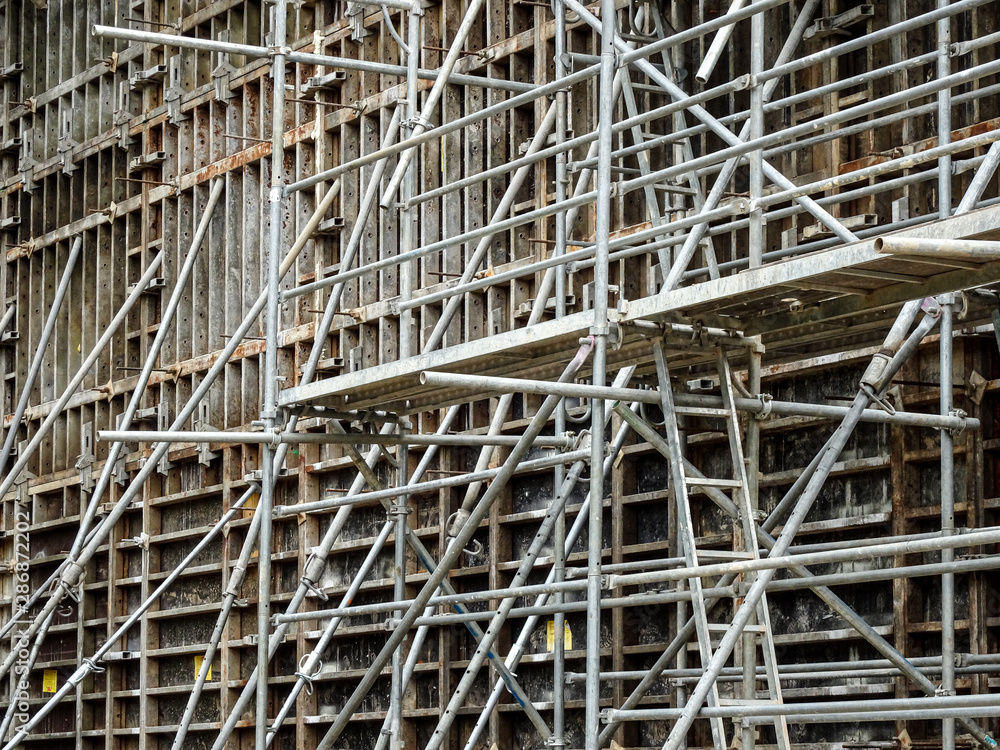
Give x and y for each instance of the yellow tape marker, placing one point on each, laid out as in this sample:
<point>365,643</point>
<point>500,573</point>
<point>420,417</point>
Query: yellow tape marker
<point>550,636</point>
<point>197,668</point>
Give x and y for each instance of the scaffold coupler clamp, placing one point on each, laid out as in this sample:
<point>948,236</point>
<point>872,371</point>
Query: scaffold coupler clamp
<point>71,577</point>
<point>315,590</point>
<point>308,677</point>
<point>870,391</point>
<point>962,313</point>
<point>698,333</point>
<point>615,335</point>
<point>457,521</point>
<point>619,59</point>
<point>93,666</point>
<point>582,441</point>
<point>412,122</point>
<point>958,414</point>
<point>765,406</point>
<point>555,741</point>
<point>236,581</point>
<point>875,370</point>
<point>398,509</point>
<point>743,206</point>
<point>314,567</point>
<point>932,306</point>
<point>79,675</point>
<point>70,581</point>
<point>477,549</point>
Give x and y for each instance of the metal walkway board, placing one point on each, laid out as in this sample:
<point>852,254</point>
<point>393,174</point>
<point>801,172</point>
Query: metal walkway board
<point>801,302</point>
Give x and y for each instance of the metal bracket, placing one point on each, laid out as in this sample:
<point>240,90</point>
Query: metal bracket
<point>163,424</point>
<point>13,70</point>
<point>141,541</point>
<point>66,145</point>
<point>201,424</point>
<point>9,337</point>
<point>26,163</point>
<point>175,92</point>
<point>85,460</point>
<point>10,223</point>
<point>121,655</point>
<point>824,27</point>
<point>119,472</point>
<point>147,161</point>
<point>155,74</point>
<point>330,81</point>
<point>223,73</point>
<point>355,13</point>
<point>123,115</point>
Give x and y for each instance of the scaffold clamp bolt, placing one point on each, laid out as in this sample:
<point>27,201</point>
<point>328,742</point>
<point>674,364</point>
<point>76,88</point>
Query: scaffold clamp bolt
<point>765,406</point>
<point>958,414</point>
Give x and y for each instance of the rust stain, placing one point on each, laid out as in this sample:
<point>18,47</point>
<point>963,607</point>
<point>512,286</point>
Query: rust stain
<point>226,164</point>
<point>926,144</point>
<point>864,161</point>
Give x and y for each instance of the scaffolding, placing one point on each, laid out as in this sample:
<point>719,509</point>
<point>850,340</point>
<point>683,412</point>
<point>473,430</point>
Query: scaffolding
<point>404,373</point>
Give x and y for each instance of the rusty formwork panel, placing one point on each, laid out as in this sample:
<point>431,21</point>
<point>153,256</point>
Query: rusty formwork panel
<point>118,143</point>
